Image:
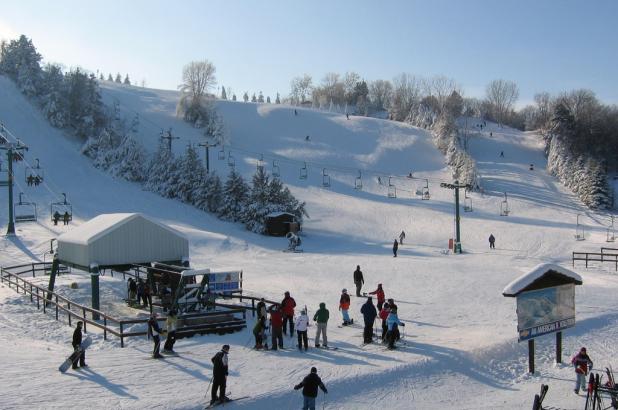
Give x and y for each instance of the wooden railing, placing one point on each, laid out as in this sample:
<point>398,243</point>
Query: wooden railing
<point>602,256</point>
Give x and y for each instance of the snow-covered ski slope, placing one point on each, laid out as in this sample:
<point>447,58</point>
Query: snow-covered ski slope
<point>462,351</point>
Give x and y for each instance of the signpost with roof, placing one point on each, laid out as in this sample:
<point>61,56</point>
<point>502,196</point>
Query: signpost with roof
<point>545,304</point>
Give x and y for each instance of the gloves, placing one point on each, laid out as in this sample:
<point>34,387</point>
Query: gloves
<point>403,324</point>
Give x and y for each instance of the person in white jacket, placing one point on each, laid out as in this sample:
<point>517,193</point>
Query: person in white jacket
<point>301,324</point>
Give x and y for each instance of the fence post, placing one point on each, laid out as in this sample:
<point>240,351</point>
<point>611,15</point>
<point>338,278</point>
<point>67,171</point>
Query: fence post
<point>33,274</point>
<point>31,292</point>
<point>586,259</point>
<point>84,314</point>
<point>37,299</point>
<point>121,336</point>
<point>104,328</point>
<point>44,302</point>
<point>253,307</point>
<point>56,307</point>
<point>69,308</point>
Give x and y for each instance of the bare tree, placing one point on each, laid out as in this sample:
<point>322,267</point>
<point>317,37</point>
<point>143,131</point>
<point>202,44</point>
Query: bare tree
<point>198,77</point>
<point>350,79</point>
<point>501,96</point>
<point>380,92</point>
<point>300,88</point>
<point>406,93</point>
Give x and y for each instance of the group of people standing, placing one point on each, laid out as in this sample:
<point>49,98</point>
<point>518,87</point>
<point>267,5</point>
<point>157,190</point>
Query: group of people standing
<point>139,291</point>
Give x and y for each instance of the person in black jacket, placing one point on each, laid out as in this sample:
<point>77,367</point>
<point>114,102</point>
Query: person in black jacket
<point>155,330</point>
<point>310,386</point>
<point>359,281</point>
<point>395,247</point>
<point>77,341</point>
<point>219,375</point>
<point>369,315</point>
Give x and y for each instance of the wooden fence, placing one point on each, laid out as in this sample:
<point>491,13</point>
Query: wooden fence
<point>603,256</point>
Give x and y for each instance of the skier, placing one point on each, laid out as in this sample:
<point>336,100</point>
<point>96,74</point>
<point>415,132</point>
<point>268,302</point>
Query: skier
<point>379,292</point>
<point>310,386</point>
<point>77,341</point>
<point>393,331</point>
<point>582,363</point>
<point>358,280</point>
<point>302,322</point>
<point>384,315</point>
<point>276,323</point>
<point>347,116</point>
<point>261,308</point>
<point>307,138</point>
<point>321,318</point>
<point>395,247</point>
<point>170,325</point>
<point>287,306</point>
<point>65,218</point>
<point>219,375</point>
<point>258,332</point>
<point>344,306</point>
<point>56,217</point>
<point>369,315</point>
<point>501,154</point>
<point>492,241</point>
<point>491,134</point>
<point>402,236</point>
<point>391,303</point>
<point>155,330</point>
<point>295,112</point>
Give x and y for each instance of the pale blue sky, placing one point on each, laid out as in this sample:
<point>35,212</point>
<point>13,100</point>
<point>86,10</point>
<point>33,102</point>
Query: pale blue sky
<point>261,45</point>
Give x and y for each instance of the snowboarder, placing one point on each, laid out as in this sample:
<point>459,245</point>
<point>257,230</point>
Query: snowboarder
<point>492,241</point>
<point>276,323</point>
<point>302,322</point>
<point>402,236</point>
<point>347,116</point>
<point>155,330</point>
<point>501,154</point>
<point>261,308</point>
<point>258,331</point>
<point>56,217</point>
<point>393,324</point>
<point>369,315</point>
<point>379,292</point>
<point>295,112</point>
<point>384,315</point>
<point>287,306</point>
<point>307,138</point>
<point>359,281</point>
<point>77,341</point>
<point>395,247</point>
<point>219,375</point>
<point>170,325</point>
<point>65,218</point>
<point>344,306</point>
<point>310,386</point>
<point>582,363</point>
<point>321,318</point>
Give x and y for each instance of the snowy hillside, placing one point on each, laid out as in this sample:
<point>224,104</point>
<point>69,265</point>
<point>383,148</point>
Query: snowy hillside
<point>461,331</point>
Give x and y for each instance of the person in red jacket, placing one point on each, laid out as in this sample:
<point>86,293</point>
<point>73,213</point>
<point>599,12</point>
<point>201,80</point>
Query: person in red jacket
<point>386,309</point>
<point>344,306</point>
<point>276,322</point>
<point>287,306</point>
<point>582,363</point>
<point>379,292</point>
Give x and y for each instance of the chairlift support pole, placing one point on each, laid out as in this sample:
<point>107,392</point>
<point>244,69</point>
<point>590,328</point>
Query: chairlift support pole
<point>207,145</point>
<point>10,148</point>
<point>456,186</point>
<point>169,138</point>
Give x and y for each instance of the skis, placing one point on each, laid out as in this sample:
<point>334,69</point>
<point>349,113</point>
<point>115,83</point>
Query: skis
<point>328,348</point>
<point>227,401</point>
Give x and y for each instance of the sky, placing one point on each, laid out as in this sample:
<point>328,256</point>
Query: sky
<point>541,45</point>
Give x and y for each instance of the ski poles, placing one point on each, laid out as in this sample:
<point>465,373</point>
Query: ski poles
<point>324,401</point>
<point>208,388</point>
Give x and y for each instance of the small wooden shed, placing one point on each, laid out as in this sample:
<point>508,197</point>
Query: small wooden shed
<point>280,223</point>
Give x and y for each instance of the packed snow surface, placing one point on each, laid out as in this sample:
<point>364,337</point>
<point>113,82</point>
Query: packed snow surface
<point>461,346</point>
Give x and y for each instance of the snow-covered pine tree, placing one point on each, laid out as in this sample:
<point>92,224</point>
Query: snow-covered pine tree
<point>223,93</point>
<point>126,80</point>
<point>52,102</point>
<point>20,61</point>
<point>190,176</point>
<point>253,98</point>
<point>109,77</point>
<point>268,100</point>
<point>233,97</point>
<point>258,202</point>
<point>118,78</point>
<point>157,175</point>
<point>214,192</point>
<point>101,77</point>
<point>245,97</point>
<point>260,97</point>
<point>282,200</point>
<point>130,160</point>
<point>235,194</point>
<point>278,99</point>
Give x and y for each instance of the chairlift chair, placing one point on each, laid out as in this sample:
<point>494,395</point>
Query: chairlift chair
<point>467,205</point>
<point>4,176</point>
<point>61,208</point>
<point>358,182</point>
<point>230,160</point>
<point>25,211</point>
<point>580,233</point>
<point>303,172</point>
<point>276,171</point>
<point>33,173</point>
<point>325,178</point>
<point>221,154</point>
<point>392,189</point>
<point>18,156</point>
<point>611,234</point>
<point>425,191</point>
<point>504,206</point>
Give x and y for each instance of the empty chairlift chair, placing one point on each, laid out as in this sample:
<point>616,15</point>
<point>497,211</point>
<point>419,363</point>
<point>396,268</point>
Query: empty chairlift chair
<point>276,171</point>
<point>25,211</point>
<point>392,190</point>
<point>358,182</point>
<point>231,162</point>
<point>425,191</point>
<point>504,206</point>
<point>580,233</point>
<point>221,154</point>
<point>4,176</point>
<point>467,202</point>
<point>325,178</point>
<point>303,172</point>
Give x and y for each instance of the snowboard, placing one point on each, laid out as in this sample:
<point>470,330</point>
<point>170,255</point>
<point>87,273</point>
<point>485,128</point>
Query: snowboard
<point>75,355</point>
<point>227,401</point>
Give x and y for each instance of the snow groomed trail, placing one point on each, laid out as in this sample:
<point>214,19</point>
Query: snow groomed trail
<point>461,333</point>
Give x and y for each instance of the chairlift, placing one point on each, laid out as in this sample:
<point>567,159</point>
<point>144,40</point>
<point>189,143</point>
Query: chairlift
<point>303,172</point>
<point>611,234</point>
<point>62,209</point>
<point>260,162</point>
<point>276,171</point>
<point>18,156</point>
<point>221,154</point>
<point>230,160</point>
<point>504,206</point>
<point>25,211</point>
<point>425,191</point>
<point>325,178</point>
<point>358,182</point>
<point>467,202</point>
<point>34,174</point>
<point>392,189</point>
<point>4,176</point>
<point>580,232</point>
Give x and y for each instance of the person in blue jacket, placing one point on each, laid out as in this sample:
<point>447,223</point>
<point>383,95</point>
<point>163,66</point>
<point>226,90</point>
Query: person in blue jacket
<point>369,315</point>
<point>393,323</point>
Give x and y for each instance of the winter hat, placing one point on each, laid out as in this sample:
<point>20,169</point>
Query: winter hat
<point>314,370</point>
<point>583,350</point>
<point>287,293</point>
<point>344,290</point>
<point>385,305</point>
<point>369,299</point>
<point>379,286</point>
<point>322,305</point>
<point>225,347</point>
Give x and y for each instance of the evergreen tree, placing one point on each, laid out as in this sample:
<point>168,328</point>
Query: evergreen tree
<point>260,98</point>
<point>223,94</point>
<point>126,80</point>
<point>20,61</point>
<point>245,97</point>
<point>268,100</point>
<point>253,98</point>
<point>258,203</point>
<point>109,77</point>
<point>190,176</point>
<point>52,101</point>
<point>277,100</point>
<point>158,171</point>
<point>235,192</point>
<point>130,160</point>
<point>214,194</point>
<point>233,97</point>
<point>101,77</point>
<point>118,78</point>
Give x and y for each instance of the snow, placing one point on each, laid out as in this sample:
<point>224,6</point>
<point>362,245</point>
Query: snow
<point>462,347</point>
<point>519,284</point>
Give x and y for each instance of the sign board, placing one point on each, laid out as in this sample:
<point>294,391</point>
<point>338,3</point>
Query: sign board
<point>544,311</point>
<point>224,282</point>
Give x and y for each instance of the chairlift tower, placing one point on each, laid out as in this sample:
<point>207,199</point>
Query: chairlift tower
<point>168,136</point>
<point>456,186</point>
<point>12,149</point>
<point>207,145</point>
